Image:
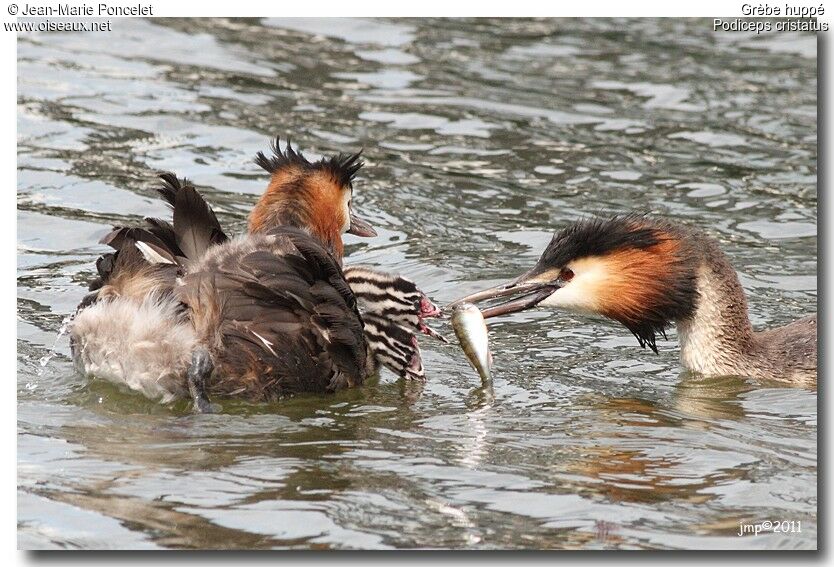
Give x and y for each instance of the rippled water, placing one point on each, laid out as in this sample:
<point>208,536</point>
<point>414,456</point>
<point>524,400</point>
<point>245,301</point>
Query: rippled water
<point>481,137</point>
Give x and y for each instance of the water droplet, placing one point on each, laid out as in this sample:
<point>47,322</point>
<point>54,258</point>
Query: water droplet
<point>62,330</point>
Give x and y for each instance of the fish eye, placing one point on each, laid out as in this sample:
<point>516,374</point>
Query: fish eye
<point>566,274</point>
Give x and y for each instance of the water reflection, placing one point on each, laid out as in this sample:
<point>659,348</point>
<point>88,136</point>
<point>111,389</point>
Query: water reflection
<point>709,399</point>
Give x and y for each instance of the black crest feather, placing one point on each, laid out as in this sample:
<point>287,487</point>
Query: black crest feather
<point>597,236</point>
<point>343,167</point>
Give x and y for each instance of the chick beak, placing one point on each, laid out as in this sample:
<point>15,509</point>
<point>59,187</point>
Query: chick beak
<point>428,310</point>
<point>530,293</point>
<point>359,227</point>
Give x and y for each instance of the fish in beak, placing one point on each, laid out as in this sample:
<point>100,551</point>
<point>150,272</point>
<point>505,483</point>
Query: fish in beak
<point>529,290</point>
<point>472,333</point>
<point>359,227</point>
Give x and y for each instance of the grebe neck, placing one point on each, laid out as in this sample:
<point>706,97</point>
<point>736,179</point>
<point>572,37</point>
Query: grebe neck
<point>718,338</point>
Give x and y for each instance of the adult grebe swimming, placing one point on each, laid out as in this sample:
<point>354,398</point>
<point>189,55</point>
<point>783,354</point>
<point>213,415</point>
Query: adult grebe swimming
<point>182,310</point>
<point>648,273</point>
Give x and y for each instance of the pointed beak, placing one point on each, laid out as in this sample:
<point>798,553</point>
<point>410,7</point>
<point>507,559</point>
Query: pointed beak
<point>527,294</point>
<point>359,227</point>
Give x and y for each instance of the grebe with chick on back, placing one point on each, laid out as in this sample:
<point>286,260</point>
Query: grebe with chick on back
<point>182,310</point>
<point>648,273</point>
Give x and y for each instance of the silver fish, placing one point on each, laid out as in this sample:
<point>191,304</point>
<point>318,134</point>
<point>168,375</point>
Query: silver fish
<point>471,330</point>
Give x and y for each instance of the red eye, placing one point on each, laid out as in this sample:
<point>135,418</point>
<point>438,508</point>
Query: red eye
<point>566,274</point>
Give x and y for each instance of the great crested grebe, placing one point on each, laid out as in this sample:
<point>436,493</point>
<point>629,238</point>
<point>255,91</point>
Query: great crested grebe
<point>648,273</point>
<point>182,310</point>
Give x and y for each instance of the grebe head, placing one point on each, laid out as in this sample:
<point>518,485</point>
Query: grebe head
<point>633,269</point>
<point>313,195</point>
<point>396,298</point>
<point>393,309</point>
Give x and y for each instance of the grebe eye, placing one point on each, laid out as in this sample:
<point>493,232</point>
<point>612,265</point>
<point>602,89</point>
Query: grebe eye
<point>566,274</point>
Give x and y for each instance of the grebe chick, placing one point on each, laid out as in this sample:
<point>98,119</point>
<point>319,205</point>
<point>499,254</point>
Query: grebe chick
<point>649,273</point>
<point>393,309</point>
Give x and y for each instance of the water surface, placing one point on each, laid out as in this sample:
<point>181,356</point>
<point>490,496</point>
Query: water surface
<point>481,138</point>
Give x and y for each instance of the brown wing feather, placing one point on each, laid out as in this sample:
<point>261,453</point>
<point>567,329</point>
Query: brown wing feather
<point>126,268</point>
<point>288,322</point>
<point>132,276</point>
<point>195,226</point>
<point>164,231</point>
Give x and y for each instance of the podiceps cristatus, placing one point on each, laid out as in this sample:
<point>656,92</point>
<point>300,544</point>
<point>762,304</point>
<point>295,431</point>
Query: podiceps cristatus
<point>182,310</point>
<point>648,273</point>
